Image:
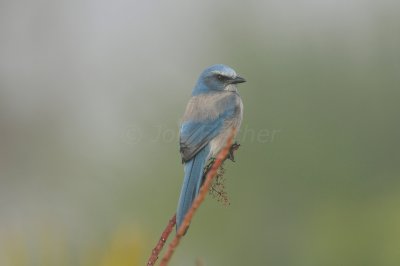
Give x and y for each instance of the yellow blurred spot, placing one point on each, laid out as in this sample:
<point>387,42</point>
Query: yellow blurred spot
<point>15,252</point>
<point>125,248</point>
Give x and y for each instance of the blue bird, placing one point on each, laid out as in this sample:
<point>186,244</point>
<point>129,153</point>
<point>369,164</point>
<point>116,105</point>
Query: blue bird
<point>213,110</point>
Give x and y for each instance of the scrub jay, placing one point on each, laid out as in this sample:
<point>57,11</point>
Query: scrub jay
<point>213,110</point>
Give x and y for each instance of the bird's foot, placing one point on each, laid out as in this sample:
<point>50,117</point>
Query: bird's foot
<point>208,166</point>
<point>231,155</point>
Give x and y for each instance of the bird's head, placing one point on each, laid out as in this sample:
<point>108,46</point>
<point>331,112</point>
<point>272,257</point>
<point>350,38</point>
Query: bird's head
<point>217,78</point>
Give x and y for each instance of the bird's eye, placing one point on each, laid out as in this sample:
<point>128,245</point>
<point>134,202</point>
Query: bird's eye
<point>220,77</point>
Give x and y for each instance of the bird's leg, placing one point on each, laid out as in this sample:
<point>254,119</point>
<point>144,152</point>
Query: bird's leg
<point>208,166</point>
<point>231,155</point>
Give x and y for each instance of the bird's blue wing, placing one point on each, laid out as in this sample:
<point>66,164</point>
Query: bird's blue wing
<point>194,135</point>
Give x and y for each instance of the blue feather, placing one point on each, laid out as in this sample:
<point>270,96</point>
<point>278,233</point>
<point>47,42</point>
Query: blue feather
<point>191,183</point>
<point>194,135</point>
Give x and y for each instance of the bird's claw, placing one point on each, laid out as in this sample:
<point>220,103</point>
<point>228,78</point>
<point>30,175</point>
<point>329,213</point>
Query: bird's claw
<point>231,154</point>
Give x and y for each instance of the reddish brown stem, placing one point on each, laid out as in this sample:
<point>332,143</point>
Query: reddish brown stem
<point>199,199</point>
<point>164,236</point>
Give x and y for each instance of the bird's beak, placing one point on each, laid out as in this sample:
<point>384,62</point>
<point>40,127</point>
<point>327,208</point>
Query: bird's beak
<point>238,79</point>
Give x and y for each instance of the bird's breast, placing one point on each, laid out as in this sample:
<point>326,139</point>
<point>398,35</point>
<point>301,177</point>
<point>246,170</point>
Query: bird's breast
<point>209,106</point>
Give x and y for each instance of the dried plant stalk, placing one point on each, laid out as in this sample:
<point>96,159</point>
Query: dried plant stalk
<point>222,155</point>
<point>164,236</point>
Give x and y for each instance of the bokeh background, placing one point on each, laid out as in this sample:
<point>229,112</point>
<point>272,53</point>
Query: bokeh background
<point>91,94</point>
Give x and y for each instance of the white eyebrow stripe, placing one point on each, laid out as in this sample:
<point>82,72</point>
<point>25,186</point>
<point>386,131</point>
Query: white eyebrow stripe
<point>231,75</point>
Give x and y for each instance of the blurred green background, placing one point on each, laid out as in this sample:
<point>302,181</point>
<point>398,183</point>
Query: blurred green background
<point>91,94</point>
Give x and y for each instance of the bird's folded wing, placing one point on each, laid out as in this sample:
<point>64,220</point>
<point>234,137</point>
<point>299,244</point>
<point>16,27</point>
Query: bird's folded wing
<point>195,135</point>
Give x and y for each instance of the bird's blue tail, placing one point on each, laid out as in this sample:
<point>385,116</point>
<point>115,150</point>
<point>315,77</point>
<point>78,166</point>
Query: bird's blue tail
<point>191,183</point>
